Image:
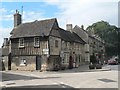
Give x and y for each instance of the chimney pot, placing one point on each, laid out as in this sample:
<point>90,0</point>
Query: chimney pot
<point>82,27</point>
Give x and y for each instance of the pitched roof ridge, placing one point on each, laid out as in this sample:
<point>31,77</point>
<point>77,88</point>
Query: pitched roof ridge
<point>80,28</point>
<point>34,28</point>
<point>32,22</point>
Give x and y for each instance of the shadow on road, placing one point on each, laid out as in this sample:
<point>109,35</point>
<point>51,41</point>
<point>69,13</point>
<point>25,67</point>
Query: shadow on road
<point>44,86</point>
<point>8,77</point>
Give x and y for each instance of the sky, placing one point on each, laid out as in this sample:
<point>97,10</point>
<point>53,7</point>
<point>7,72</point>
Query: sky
<point>76,12</point>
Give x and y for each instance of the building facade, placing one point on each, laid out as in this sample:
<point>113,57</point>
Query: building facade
<point>94,44</point>
<point>43,45</point>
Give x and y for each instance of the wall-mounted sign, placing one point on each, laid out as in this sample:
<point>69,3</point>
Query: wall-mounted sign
<point>45,51</point>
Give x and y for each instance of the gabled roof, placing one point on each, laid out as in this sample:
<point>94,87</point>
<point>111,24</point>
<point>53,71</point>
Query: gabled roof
<point>36,28</point>
<point>81,33</point>
<point>70,36</point>
<point>46,28</point>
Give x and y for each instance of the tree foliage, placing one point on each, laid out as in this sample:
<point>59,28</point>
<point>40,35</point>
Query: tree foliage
<point>109,34</point>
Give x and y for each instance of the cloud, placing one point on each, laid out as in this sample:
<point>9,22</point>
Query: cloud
<point>2,10</point>
<point>29,16</point>
<point>58,0</point>
<point>4,15</point>
<point>4,33</point>
<point>77,12</point>
<point>85,12</point>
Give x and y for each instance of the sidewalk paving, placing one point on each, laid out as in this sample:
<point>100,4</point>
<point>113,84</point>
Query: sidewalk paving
<point>85,68</point>
<point>45,74</point>
<point>82,68</point>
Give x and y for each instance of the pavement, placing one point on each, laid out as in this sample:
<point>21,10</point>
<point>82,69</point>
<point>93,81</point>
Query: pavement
<point>85,68</point>
<point>13,78</point>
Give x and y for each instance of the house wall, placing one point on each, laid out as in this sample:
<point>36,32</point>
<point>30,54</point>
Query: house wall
<point>85,49</point>
<point>65,53</point>
<point>97,47</point>
<point>54,50</point>
<point>28,48</point>
<point>5,62</point>
<point>30,63</point>
<point>29,53</point>
<point>76,50</point>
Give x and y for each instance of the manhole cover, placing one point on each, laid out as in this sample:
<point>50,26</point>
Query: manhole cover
<point>106,80</point>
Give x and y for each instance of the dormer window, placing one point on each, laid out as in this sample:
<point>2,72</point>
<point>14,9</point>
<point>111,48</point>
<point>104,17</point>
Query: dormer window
<point>36,42</point>
<point>21,42</point>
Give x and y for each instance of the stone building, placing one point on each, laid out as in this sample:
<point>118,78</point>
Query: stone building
<point>42,45</point>
<point>5,55</point>
<point>94,44</point>
<point>97,46</point>
<point>85,36</point>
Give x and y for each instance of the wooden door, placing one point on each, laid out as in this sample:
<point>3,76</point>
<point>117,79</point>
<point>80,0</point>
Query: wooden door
<point>38,62</point>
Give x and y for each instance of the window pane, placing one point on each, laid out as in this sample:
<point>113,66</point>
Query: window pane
<point>21,42</point>
<point>36,41</point>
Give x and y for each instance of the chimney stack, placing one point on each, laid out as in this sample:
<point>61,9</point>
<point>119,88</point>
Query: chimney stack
<point>82,27</point>
<point>17,19</point>
<point>69,27</point>
<point>5,41</point>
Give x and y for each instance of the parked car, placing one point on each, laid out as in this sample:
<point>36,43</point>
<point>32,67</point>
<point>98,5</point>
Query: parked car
<point>112,62</point>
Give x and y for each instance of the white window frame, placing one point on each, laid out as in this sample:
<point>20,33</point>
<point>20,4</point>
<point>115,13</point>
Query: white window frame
<point>36,42</point>
<point>21,42</point>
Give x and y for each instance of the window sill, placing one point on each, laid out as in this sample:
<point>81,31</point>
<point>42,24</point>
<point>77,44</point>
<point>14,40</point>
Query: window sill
<point>21,46</point>
<point>36,46</point>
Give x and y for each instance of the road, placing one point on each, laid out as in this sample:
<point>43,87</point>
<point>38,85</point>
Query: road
<point>62,79</point>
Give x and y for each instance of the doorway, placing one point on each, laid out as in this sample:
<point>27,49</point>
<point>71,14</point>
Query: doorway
<point>38,62</point>
<point>9,61</point>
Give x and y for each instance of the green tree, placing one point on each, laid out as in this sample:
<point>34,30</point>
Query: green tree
<point>109,34</point>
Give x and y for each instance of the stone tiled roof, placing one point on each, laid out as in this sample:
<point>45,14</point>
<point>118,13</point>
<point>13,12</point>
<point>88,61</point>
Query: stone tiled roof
<point>36,28</point>
<point>46,28</point>
<point>70,36</point>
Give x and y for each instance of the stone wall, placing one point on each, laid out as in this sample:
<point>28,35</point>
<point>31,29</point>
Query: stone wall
<point>29,65</point>
<point>5,62</point>
<point>54,50</point>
